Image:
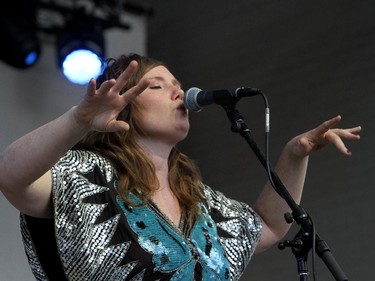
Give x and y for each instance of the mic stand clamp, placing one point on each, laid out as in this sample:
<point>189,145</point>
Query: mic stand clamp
<point>302,243</point>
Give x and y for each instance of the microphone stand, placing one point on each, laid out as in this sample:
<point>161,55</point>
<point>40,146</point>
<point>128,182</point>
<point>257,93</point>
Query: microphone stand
<point>303,241</point>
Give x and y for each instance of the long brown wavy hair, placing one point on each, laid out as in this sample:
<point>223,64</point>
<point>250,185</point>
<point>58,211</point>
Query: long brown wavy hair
<point>136,173</point>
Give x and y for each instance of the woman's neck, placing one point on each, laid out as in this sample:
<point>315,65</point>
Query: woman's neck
<point>158,153</point>
<point>163,196</point>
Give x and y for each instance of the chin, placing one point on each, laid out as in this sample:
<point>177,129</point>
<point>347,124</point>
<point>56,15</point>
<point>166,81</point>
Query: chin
<point>183,133</point>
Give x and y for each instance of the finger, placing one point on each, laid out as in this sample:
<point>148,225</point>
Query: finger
<point>106,86</point>
<point>355,130</point>
<point>350,134</point>
<point>337,141</point>
<point>91,87</point>
<point>124,76</point>
<point>325,126</point>
<point>136,90</point>
<point>117,125</point>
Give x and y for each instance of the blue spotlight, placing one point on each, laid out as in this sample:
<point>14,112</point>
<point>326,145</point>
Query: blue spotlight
<point>20,46</point>
<point>81,65</point>
<point>80,55</point>
<point>31,58</point>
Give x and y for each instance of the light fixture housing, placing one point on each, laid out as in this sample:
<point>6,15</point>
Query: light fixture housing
<point>72,24</point>
<point>80,55</point>
<point>20,46</point>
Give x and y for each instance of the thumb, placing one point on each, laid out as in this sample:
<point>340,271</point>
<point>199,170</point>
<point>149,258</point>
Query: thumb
<point>117,125</point>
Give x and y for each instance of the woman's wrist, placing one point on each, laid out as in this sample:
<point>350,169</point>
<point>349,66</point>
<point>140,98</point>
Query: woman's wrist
<point>78,124</point>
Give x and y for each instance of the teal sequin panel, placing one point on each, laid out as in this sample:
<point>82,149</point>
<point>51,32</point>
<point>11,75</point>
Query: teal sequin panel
<point>172,252</point>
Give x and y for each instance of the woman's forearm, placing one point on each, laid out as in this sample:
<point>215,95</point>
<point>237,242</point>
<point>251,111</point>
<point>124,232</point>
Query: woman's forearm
<point>29,157</point>
<point>291,169</point>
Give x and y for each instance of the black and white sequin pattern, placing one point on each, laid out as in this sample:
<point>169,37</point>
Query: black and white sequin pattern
<point>95,258</point>
<point>85,243</point>
<point>242,228</point>
<point>30,252</point>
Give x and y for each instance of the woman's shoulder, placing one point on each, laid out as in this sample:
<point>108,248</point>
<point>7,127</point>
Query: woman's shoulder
<point>76,158</point>
<point>216,197</point>
<point>218,203</point>
<point>83,162</point>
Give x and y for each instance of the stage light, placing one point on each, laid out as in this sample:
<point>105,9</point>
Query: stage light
<point>20,46</point>
<point>80,55</point>
<point>81,65</point>
<point>73,25</point>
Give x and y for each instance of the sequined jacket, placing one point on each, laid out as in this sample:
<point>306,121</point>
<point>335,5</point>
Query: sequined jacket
<point>95,236</point>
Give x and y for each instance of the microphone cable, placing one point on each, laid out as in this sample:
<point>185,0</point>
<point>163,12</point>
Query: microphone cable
<point>270,178</point>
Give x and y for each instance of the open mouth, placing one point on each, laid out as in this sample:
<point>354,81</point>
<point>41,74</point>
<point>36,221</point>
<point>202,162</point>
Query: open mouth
<point>181,107</point>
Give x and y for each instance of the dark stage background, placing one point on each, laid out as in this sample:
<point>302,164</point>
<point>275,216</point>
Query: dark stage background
<point>313,60</point>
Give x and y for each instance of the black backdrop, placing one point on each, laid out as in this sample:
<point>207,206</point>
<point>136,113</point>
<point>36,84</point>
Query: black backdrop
<point>313,60</point>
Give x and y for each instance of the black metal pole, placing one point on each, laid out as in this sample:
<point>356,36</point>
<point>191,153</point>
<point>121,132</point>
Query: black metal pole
<point>300,216</point>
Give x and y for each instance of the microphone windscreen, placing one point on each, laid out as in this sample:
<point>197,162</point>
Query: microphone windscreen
<point>190,99</point>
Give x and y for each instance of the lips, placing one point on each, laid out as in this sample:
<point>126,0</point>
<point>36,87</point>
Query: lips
<point>181,107</point>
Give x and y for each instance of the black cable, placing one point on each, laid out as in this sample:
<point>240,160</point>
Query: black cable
<point>268,169</point>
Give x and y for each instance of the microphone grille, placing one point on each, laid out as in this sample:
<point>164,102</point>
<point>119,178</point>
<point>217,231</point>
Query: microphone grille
<point>190,99</point>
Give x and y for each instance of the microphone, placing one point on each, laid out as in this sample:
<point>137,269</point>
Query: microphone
<point>195,99</point>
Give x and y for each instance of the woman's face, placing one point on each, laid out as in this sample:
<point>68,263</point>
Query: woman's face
<point>163,116</point>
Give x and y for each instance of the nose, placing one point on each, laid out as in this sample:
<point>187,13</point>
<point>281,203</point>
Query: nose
<point>178,93</point>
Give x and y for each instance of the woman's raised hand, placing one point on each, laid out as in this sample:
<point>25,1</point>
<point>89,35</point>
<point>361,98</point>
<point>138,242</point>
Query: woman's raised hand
<point>100,108</point>
<point>322,135</point>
